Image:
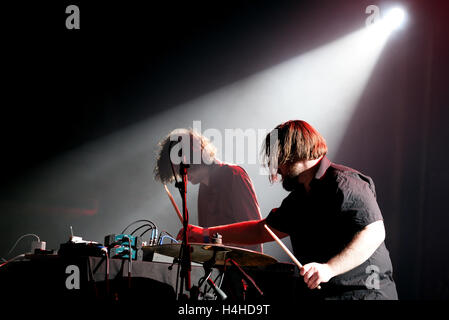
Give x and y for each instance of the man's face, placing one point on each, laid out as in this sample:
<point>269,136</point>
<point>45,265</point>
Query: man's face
<point>288,177</point>
<point>290,172</point>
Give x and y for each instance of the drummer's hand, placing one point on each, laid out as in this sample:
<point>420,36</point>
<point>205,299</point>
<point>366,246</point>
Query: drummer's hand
<point>316,273</point>
<point>195,233</point>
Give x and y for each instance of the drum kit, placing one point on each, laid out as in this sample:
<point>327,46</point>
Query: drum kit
<point>210,255</point>
<point>205,252</point>
<point>213,257</point>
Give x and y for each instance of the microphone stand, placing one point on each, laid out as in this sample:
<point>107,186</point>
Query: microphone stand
<point>208,266</point>
<point>186,260</point>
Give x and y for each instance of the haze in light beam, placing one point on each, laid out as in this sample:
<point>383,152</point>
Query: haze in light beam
<point>321,86</point>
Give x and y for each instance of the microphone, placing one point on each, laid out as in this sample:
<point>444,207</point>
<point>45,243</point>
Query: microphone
<point>217,290</point>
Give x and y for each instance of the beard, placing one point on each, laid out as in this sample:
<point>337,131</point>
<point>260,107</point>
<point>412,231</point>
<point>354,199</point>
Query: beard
<point>290,183</point>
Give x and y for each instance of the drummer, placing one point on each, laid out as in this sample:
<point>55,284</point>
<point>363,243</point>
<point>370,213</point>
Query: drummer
<point>226,193</point>
<point>331,215</point>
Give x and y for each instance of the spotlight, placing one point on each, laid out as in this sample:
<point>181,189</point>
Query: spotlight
<point>395,18</point>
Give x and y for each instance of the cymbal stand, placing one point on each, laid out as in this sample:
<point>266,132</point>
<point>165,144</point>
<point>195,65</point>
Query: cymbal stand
<point>208,269</point>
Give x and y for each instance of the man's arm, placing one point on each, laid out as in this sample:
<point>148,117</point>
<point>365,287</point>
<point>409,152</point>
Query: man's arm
<point>361,247</point>
<point>246,233</point>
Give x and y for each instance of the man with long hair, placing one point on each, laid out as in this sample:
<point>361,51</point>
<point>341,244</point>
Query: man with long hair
<point>331,215</point>
<point>226,194</point>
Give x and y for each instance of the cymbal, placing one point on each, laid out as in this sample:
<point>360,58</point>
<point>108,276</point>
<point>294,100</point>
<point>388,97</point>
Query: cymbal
<point>202,252</point>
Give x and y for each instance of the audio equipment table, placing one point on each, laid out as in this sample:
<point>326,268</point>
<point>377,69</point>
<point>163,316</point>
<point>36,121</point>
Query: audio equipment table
<point>52,277</point>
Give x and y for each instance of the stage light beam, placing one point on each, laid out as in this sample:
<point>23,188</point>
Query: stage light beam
<point>395,18</point>
<point>322,86</point>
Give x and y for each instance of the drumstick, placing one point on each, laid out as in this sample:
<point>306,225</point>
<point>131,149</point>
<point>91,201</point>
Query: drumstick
<point>284,247</point>
<point>173,203</point>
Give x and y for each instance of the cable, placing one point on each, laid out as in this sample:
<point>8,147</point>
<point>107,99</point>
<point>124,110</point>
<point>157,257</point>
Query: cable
<point>221,276</point>
<point>152,236</point>
<point>10,260</point>
<point>20,238</point>
<point>160,239</point>
<point>166,236</point>
<point>167,233</point>
<point>137,221</point>
<point>146,230</point>
<point>130,261</point>
<point>142,226</point>
<point>152,227</point>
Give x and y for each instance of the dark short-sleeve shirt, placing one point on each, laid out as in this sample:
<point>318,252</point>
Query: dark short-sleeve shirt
<point>321,223</point>
<point>228,198</point>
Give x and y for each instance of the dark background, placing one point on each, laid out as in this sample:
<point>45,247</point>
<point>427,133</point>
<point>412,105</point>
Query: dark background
<point>64,88</point>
